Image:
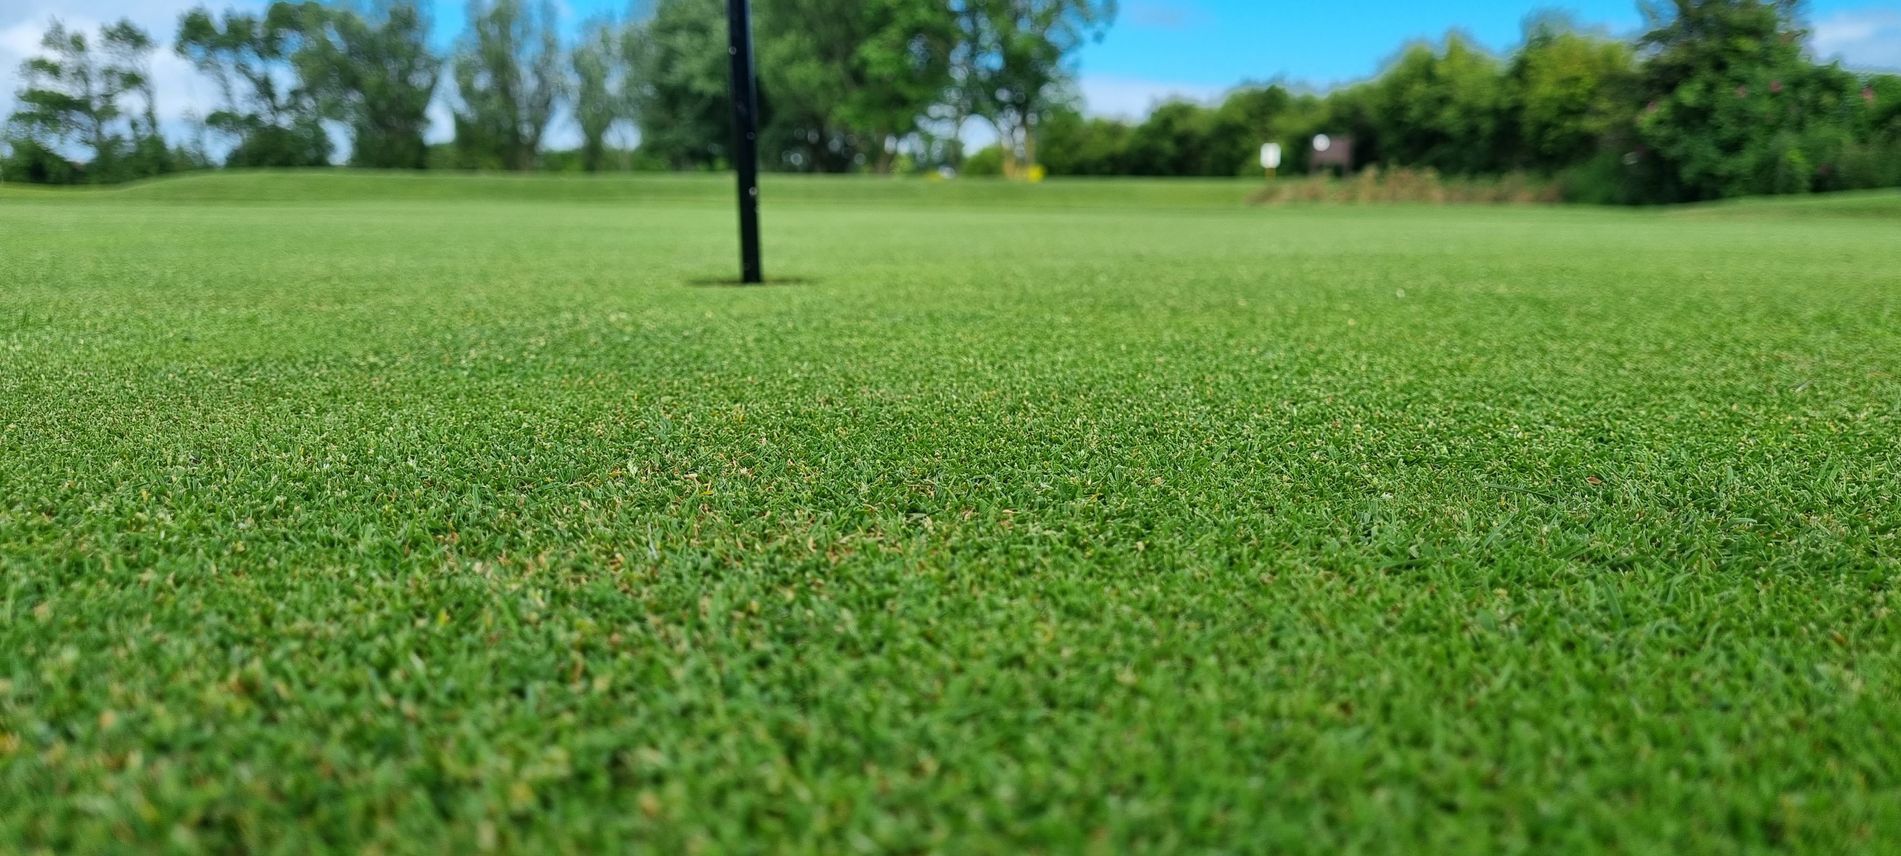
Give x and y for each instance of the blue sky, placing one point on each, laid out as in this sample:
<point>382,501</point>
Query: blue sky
<point>1157,48</point>
<point>1201,47</point>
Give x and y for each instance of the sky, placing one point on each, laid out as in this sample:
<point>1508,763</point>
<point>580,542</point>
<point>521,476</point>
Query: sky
<point>1201,48</point>
<point>1157,49</point>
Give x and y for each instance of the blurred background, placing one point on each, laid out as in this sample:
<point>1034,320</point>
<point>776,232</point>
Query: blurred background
<point>1594,101</point>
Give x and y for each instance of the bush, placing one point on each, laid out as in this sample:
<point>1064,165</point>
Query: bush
<point>31,162</point>
<point>1791,172</point>
<point>987,161</point>
<point>1869,165</point>
<point>1403,184</point>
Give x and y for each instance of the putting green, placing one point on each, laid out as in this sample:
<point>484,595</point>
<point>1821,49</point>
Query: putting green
<point>344,511</point>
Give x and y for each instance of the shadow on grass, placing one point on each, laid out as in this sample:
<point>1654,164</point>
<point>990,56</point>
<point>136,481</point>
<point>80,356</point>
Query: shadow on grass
<point>733,281</point>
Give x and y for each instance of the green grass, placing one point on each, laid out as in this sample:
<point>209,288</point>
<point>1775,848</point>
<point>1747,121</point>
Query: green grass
<point>439,514</point>
<point>338,185</point>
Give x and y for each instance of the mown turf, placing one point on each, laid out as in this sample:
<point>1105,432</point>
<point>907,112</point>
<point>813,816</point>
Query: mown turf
<point>343,185</point>
<point>437,522</point>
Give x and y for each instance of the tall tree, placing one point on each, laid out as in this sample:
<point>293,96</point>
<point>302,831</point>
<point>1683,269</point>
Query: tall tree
<point>509,76</point>
<point>1172,141</point>
<point>1726,81</point>
<point>373,71</point>
<point>269,111</point>
<point>680,87</point>
<point>90,97</point>
<point>150,155</point>
<point>1074,145</point>
<point>1445,109</point>
<point>963,98</point>
<point>1022,50</point>
<point>604,60</point>
<point>1247,117</point>
<point>859,75</point>
<point>1571,92</point>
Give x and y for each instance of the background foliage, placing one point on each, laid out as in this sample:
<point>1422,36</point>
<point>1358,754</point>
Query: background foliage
<point>1717,98</point>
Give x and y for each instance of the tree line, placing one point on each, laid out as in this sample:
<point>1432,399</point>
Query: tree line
<point>1716,98</point>
<point>847,85</point>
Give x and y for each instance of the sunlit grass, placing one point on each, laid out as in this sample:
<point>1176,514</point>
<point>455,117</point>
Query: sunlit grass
<point>444,521</point>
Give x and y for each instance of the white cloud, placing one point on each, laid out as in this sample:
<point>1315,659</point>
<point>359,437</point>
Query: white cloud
<point>179,90</point>
<point>1861,38</point>
<point>441,115</point>
<point>181,93</point>
<point>18,40</point>
<point>1116,97</point>
<point>564,132</point>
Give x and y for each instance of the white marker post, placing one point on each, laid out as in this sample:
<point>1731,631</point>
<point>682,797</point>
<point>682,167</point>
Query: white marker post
<point>1270,158</point>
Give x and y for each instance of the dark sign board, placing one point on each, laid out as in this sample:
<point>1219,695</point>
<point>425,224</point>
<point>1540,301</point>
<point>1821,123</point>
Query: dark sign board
<point>1331,150</point>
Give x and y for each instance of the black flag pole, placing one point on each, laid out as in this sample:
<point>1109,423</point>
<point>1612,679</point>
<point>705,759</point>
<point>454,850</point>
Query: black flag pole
<point>745,136</point>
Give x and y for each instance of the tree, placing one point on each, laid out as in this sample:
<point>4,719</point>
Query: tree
<point>1275,114</point>
<point>1872,158</point>
<point>1179,138</point>
<point>1074,145</point>
<point>509,75</point>
<point>680,91</point>
<point>603,60</point>
<point>78,96</point>
<point>1246,118</point>
<point>373,71</point>
<point>1447,110</point>
<point>859,75</point>
<point>273,115</point>
<point>1725,82</point>
<point>1570,92</point>
<point>1881,106</point>
<point>1021,50</point>
<point>962,98</point>
<point>1173,141</point>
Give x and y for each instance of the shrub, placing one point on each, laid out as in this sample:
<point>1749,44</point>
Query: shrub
<point>1406,185</point>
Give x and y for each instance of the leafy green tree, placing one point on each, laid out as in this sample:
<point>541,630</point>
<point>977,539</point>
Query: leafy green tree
<point>1726,81</point>
<point>373,71</point>
<point>962,99</point>
<point>1173,140</point>
<point>509,75</point>
<point>1293,119</point>
<point>1246,118</point>
<point>1445,109</point>
<point>857,75</point>
<point>272,115</point>
<point>985,162</point>
<point>95,98</point>
<point>604,59</point>
<point>1022,51</point>
<point>1074,145</point>
<point>1571,93</point>
<point>680,86</point>
<point>1356,112</point>
<point>1872,157</point>
<point>1881,105</point>
<point>26,159</point>
<point>1178,138</point>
